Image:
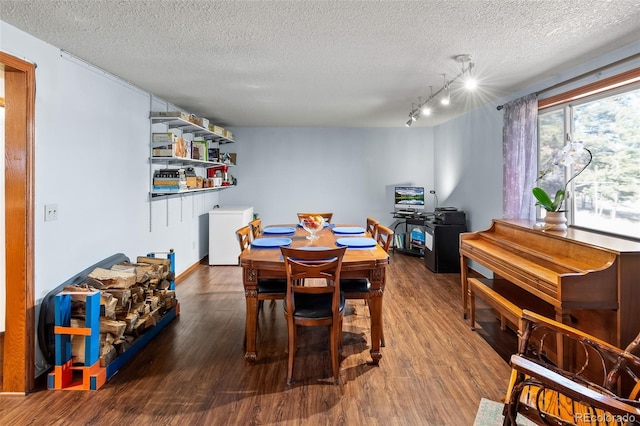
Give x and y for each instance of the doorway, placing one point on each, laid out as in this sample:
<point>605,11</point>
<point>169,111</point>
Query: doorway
<point>3,302</point>
<point>19,336</point>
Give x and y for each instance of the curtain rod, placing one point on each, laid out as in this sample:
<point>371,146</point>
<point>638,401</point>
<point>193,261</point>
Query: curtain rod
<point>583,75</point>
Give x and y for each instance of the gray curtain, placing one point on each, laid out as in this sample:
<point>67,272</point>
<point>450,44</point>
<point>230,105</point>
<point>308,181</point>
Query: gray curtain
<point>520,155</point>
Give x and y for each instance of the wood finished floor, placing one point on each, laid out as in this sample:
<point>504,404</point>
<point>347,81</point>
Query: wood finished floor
<point>434,369</point>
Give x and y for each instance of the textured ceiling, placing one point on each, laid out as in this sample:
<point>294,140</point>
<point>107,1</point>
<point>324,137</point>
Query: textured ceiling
<point>326,63</point>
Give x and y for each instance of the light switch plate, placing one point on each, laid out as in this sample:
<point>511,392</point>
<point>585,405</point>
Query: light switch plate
<point>50,212</point>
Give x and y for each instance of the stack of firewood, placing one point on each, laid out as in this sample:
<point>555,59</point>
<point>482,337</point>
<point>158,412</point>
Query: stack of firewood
<point>134,296</point>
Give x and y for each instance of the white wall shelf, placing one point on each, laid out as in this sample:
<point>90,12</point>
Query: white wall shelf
<point>188,191</point>
<point>188,127</point>
<point>185,126</point>
<point>188,162</point>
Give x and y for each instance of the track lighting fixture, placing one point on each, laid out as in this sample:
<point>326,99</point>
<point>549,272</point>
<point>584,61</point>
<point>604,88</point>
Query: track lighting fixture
<point>410,120</point>
<point>446,99</point>
<point>426,108</point>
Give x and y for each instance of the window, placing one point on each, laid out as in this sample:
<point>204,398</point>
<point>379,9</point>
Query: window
<point>606,196</point>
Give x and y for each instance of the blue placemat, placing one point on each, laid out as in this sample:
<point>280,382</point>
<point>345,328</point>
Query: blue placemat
<point>348,230</point>
<point>279,230</point>
<point>354,242</point>
<point>271,242</point>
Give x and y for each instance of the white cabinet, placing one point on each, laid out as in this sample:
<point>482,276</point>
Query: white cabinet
<point>224,248</point>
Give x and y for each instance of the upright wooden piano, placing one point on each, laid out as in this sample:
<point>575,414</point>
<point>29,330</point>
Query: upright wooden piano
<point>591,280</point>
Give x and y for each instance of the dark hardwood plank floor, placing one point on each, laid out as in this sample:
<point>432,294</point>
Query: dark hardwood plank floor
<point>434,369</point>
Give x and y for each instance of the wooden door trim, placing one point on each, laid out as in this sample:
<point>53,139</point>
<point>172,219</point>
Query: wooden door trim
<point>19,344</point>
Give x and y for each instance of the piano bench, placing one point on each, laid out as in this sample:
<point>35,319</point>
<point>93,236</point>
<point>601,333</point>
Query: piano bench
<point>507,299</point>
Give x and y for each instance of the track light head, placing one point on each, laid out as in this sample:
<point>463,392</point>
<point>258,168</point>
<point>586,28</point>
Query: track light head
<point>447,98</point>
<point>470,83</point>
<point>409,123</point>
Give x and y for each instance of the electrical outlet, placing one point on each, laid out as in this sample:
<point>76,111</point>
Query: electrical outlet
<point>50,212</point>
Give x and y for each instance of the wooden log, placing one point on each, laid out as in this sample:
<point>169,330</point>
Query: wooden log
<point>122,344</point>
<point>153,260</point>
<point>113,279</point>
<point>77,349</point>
<point>114,327</point>
<point>139,327</point>
<point>143,271</point>
<point>141,309</point>
<point>125,267</point>
<point>153,302</point>
<point>137,295</point>
<point>110,304</point>
<point>166,263</point>
<point>122,294</point>
<point>107,354</point>
<point>131,319</point>
<point>77,291</point>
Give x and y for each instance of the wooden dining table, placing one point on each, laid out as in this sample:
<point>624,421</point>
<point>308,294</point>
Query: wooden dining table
<point>258,263</point>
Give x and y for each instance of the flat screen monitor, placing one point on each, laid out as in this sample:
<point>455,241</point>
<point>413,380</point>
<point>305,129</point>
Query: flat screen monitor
<point>409,198</point>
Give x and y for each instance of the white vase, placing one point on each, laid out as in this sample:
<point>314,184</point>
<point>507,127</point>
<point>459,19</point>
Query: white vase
<point>555,221</point>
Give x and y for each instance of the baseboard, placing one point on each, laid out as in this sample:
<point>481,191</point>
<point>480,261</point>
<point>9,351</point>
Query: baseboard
<point>190,269</point>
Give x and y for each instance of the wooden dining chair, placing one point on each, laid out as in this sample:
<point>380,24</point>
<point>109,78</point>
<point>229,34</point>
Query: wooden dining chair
<point>360,288</point>
<point>319,304</point>
<point>268,288</point>
<point>384,236</point>
<point>244,237</point>
<point>327,216</point>
<point>256,228</point>
<point>371,226</point>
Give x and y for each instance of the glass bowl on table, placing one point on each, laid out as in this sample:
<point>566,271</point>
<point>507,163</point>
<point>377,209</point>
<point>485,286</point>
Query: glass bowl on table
<point>312,224</point>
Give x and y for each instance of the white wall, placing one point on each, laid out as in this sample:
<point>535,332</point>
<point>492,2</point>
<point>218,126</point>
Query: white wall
<point>469,167</point>
<point>91,159</point>
<point>350,172</point>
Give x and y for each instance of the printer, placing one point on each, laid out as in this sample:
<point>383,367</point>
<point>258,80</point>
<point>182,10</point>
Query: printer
<point>449,216</point>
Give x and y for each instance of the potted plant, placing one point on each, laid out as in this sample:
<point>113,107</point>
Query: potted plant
<point>565,157</point>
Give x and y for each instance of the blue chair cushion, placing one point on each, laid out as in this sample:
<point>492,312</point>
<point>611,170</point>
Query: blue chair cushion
<point>315,305</point>
<point>355,285</point>
<point>272,286</point>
